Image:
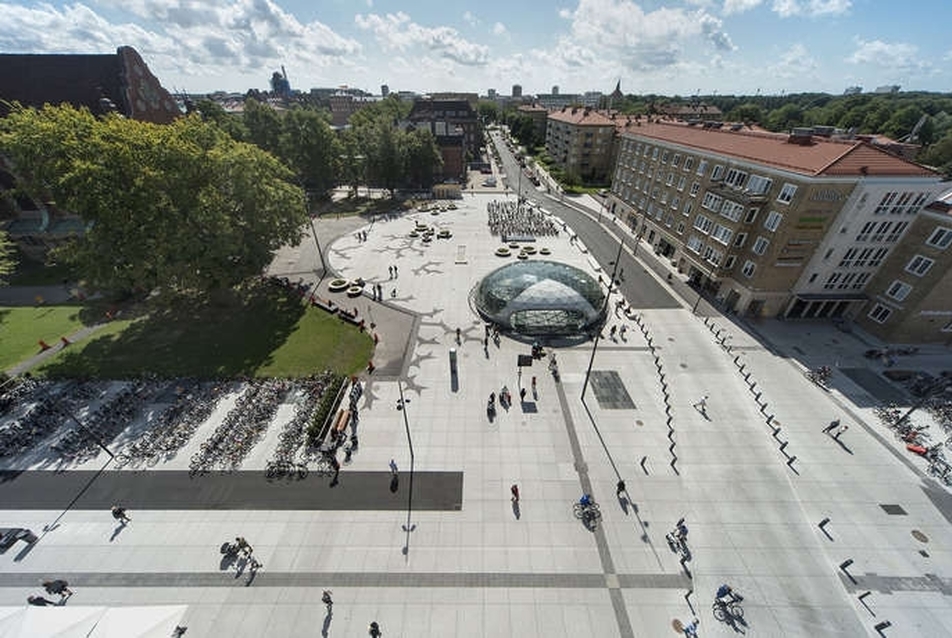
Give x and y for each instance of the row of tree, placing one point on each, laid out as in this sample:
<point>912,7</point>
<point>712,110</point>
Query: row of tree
<point>895,115</point>
<point>375,150</point>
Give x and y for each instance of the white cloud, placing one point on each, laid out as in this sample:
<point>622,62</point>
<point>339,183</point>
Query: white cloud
<point>396,31</point>
<point>740,6</point>
<point>897,55</point>
<point>643,40</point>
<point>499,29</point>
<point>810,8</point>
<point>795,62</point>
<point>470,19</point>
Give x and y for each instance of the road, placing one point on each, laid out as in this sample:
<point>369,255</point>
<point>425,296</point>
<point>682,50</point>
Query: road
<point>639,288</point>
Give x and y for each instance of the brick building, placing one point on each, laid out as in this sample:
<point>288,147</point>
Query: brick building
<point>454,124</point>
<point>763,220</point>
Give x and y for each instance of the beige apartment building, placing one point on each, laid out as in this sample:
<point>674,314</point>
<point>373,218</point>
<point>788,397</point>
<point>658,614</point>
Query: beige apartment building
<point>580,141</point>
<point>745,214</point>
<point>910,298</point>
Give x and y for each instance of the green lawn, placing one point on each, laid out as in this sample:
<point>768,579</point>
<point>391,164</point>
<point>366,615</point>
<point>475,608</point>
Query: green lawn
<point>22,328</point>
<point>262,332</point>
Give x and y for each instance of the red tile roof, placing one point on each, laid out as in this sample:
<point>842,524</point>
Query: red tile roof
<point>581,117</point>
<point>821,156</point>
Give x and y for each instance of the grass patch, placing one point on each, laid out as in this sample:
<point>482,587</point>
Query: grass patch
<point>261,331</point>
<point>22,327</point>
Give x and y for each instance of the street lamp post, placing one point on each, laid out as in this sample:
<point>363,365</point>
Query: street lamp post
<point>317,242</point>
<point>591,360</point>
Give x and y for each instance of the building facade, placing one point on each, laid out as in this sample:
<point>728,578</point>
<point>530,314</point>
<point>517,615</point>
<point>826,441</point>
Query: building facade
<point>539,115</point>
<point>581,142</point>
<point>455,126</point>
<point>910,297</point>
<point>762,220</point>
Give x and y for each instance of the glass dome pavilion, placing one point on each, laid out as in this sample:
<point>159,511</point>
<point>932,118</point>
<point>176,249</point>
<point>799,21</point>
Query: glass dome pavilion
<point>536,297</point>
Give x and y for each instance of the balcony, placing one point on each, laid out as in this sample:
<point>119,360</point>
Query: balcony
<point>739,195</point>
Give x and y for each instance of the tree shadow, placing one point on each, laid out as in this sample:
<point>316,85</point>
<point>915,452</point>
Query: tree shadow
<point>225,333</point>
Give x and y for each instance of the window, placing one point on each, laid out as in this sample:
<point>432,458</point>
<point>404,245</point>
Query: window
<point>680,228</point>
<point>861,280</point>
<point>703,224</point>
<point>741,238</point>
<point>732,210</point>
<point>717,173</point>
<point>749,268</point>
<point>702,167</point>
<point>688,163</point>
<point>848,258</point>
<point>919,265</point>
<point>880,313</point>
<point>669,179</point>
<point>896,232</point>
<point>866,231</point>
<point>881,231</point>
<point>884,203</point>
<point>722,234</point>
<point>711,256</point>
<point>735,178</point>
<point>676,160</point>
<point>813,277</point>
<point>787,193</point>
<point>669,221</point>
<point>665,156</point>
<point>688,205</point>
<point>654,153</point>
<point>846,280</point>
<point>729,262</point>
<point>831,281</point>
<point>751,215</point>
<point>760,246</point>
<point>694,244</point>
<point>695,187</point>
<point>940,238</point>
<point>773,221</point>
<point>898,290</point>
<point>758,185</point>
<point>681,182</point>
<point>712,202</point>
<point>676,202</point>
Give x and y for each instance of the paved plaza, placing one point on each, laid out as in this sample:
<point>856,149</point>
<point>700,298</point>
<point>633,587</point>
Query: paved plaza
<point>444,551</point>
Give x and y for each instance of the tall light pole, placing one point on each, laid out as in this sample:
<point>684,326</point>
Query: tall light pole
<point>591,360</point>
<point>317,242</point>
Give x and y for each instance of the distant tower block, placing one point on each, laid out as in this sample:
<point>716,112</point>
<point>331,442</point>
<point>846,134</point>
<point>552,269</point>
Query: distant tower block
<point>516,90</point>
<point>384,90</point>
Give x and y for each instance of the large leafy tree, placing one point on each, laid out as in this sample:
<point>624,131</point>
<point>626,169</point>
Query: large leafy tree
<point>309,146</point>
<point>7,259</point>
<point>181,207</point>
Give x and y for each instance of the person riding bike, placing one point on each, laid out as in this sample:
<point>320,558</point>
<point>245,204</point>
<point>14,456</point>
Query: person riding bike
<point>586,500</point>
<point>725,594</point>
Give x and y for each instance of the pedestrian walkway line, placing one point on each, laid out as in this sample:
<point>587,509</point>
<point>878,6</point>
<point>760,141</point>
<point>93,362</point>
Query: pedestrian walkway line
<point>264,578</point>
<point>609,576</point>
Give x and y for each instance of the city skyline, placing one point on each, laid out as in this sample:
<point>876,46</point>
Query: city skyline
<point>671,48</point>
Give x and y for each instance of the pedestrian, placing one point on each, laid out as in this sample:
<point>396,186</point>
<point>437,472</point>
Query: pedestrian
<point>835,423</point>
<point>335,464</point>
<point>620,487</point>
<point>613,331</point>
<point>702,405</point>
<point>243,546</point>
<point>370,366</point>
<point>393,293</point>
<point>376,339</point>
<point>119,513</point>
<point>39,601</point>
<point>843,428</point>
<point>515,493</point>
<point>691,630</point>
<point>327,600</point>
<point>533,386</point>
<point>522,394</point>
<point>390,270</point>
<point>393,467</point>
<point>396,273</point>
<point>58,586</point>
<point>374,630</point>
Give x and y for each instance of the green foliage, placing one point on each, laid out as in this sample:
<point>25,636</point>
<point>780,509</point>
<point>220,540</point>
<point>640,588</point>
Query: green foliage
<point>181,207</point>
<point>232,124</point>
<point>8,260</point>
<point>307,143</point>
<point>488,111</point>
<point>326,407</point>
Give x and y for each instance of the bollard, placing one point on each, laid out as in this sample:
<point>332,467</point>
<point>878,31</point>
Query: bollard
<point>770,419</point>
<point>791,460</point>
<point>644,460</point>
<point>883,625</point>
<point>783,446</point>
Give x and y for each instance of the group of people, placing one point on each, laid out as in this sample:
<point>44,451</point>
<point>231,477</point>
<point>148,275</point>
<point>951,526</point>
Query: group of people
<point>509,218</point>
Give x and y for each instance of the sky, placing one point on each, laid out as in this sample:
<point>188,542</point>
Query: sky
<point>738,47</point>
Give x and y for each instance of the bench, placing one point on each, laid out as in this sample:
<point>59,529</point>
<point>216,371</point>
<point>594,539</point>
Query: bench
<point>10,535</point>
<point>324,304</point>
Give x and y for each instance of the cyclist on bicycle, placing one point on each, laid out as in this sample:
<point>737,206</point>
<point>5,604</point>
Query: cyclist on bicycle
<point>586,500</point>
<point>725,594</point>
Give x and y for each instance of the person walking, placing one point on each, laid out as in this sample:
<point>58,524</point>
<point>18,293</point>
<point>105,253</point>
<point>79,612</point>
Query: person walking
<point>835,423</point>
<point>119,513</point>
<point>515,493</point>
<point>522,394</point>
<point>841,430</point>
<point>242,545</point>
<point>58,586</point>
<point>327,600</point>
<point>701,406</point>
<point>620,487</point>
<point>393,467</point>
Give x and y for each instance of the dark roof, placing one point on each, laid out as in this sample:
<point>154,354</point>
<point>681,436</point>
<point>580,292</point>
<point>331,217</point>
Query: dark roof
<point>423,109</point>
<point>102,83</point>
<point>79,80</point>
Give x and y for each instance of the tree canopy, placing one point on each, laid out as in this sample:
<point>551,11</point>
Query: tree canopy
<point>7,256</point>
<point>181,207</point>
